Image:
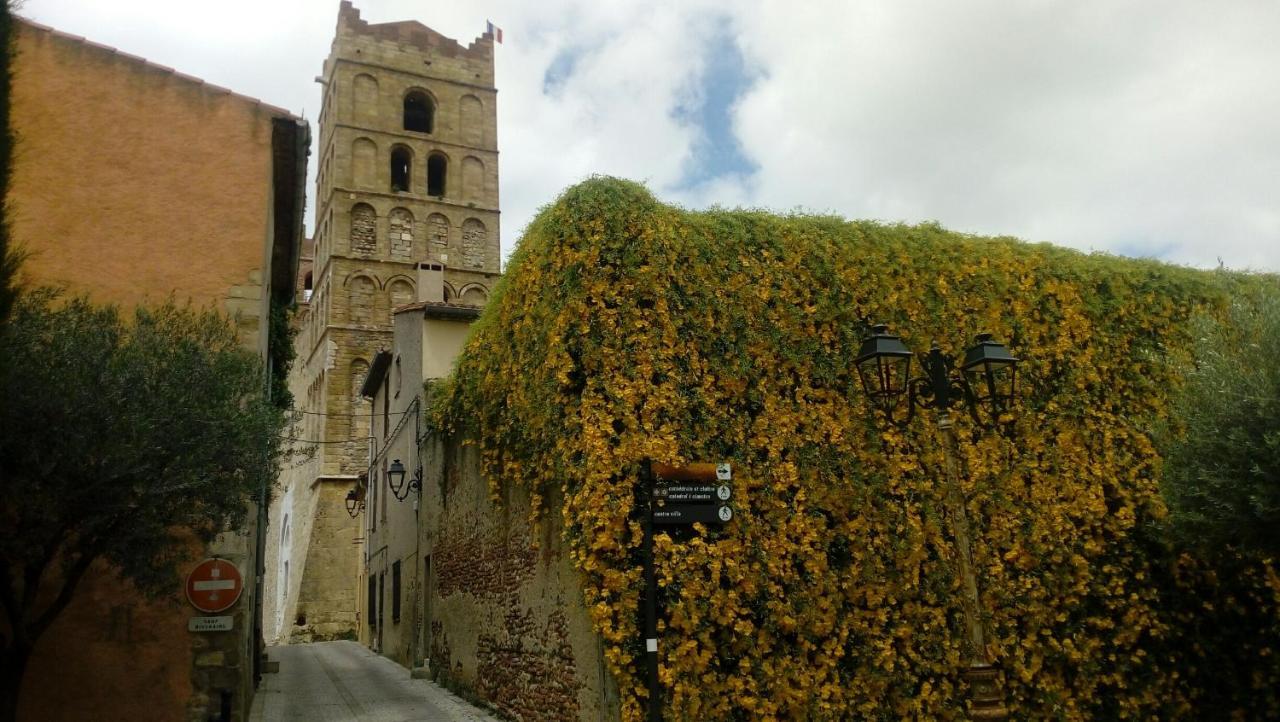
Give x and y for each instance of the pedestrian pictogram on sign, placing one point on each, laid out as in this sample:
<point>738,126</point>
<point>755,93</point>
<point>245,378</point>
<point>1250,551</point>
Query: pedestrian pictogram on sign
<point>214,585</point>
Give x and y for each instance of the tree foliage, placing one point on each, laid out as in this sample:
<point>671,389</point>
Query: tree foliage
<point>1222,463</point>
<point>120,441</point>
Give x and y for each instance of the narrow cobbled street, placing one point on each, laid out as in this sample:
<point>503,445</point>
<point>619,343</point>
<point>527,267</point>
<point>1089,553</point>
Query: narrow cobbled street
<point>345,681</point>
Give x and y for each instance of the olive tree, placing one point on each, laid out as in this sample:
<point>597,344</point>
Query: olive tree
<point>122,441</point>
<point>1222,463</point>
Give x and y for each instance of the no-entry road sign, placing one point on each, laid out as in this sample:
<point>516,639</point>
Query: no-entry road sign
<point>214,585</point>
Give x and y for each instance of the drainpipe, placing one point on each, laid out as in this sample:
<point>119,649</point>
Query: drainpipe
<point>260,551</point>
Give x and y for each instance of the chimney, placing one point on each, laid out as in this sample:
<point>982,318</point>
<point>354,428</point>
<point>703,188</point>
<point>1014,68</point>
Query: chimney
<point>431,282</point>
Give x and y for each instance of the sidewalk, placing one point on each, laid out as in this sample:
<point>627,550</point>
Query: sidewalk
<point>345,681</point>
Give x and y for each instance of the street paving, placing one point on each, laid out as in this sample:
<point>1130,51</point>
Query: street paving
<point>345,681</point>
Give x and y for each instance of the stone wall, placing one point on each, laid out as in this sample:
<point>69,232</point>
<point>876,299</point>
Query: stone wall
<point>506,620</point>
<point>328,606</point>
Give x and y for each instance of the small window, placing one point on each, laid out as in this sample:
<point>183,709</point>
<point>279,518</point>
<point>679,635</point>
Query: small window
<point>401,163</point>
<point>419,112</point>
<point>437,165</point>
<point>395,592</point>
<point>373,599</point>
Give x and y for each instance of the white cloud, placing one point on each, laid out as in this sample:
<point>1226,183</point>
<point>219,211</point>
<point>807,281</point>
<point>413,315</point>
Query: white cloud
<point>1134,127</point>
<point>1111,126</point>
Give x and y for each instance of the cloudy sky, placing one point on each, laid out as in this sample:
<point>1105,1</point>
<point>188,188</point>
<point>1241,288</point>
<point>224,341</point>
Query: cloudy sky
<point>1137,128</point>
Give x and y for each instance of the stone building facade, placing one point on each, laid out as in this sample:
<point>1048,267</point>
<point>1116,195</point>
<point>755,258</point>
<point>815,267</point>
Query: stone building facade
<point>407,176</point>
<point>460,586</point>
<point>134,183</point>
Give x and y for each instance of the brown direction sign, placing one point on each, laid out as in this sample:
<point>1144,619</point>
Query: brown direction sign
<point>688,472</point>
<point>214,585</point>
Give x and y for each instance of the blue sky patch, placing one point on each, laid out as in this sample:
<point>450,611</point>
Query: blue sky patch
<point>561,67</point>
<point>1139,247</point>
<point>725,78</point>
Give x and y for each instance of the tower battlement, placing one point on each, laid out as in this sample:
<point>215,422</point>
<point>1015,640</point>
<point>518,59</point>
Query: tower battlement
<point>411,33</point>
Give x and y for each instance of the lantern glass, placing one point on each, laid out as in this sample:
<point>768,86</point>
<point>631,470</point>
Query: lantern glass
<point>884,367</point>
<point>352,500</point>
<point>395,477</point>
<point>991,374</point>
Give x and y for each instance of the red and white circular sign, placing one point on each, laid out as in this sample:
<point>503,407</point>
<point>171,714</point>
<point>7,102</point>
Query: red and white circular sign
<point>214,585</point>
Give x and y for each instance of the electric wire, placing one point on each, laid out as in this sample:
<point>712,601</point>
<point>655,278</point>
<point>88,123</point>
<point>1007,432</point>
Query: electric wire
<point>346,416</point>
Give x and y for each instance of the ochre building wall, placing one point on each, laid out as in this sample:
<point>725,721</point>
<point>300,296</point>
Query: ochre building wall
<point>133,183</point>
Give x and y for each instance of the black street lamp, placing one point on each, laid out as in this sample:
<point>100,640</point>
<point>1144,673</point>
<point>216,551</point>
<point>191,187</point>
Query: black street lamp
<point>985,386</point>
<point>395,479</point>
<point>355,504</point>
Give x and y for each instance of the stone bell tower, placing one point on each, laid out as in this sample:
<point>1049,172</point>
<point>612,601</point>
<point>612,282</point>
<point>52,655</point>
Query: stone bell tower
<point>407,177</point>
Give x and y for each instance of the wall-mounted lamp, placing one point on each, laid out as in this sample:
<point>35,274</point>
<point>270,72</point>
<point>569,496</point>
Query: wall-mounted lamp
<point>355,504</point>
<point>395,480</point>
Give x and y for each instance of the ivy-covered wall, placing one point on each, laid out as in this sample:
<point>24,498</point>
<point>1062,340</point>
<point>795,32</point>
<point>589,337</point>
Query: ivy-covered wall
<point>627,329</point>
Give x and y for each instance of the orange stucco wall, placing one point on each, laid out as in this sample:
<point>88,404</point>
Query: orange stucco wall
<point>131,184</point>
<point>112,655</point>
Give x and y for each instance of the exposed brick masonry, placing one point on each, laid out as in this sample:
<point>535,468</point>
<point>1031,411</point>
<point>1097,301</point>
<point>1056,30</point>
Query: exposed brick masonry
<point>527,669</point>
<point>484,564</point>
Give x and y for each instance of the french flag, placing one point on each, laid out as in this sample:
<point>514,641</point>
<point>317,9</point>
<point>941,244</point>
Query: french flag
<point>493,30</point>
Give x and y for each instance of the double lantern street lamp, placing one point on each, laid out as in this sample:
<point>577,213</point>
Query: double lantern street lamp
<point>395,481</point>
<point>985,386</point>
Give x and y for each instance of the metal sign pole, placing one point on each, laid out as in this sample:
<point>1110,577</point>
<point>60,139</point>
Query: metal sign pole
<point>650,597</point>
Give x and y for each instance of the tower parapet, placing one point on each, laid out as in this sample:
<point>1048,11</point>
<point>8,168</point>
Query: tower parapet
<point>387,42</point>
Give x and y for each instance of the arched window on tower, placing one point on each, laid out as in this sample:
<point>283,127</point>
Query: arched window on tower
<point>419,112</point>
<point>437,166</point>
<point>401,167</point>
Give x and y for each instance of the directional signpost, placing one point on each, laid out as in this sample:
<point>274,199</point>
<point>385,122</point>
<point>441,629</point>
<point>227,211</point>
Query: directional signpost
<point>694,493</point>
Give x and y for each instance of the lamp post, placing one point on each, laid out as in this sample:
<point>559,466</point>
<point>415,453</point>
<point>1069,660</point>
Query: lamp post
<point>985,386</point>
